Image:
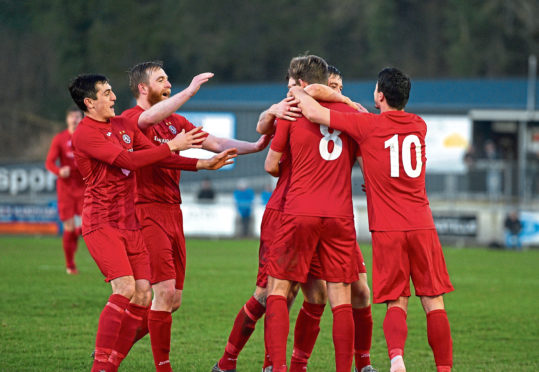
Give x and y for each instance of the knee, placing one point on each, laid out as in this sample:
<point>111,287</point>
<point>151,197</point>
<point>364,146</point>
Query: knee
<point>143,294</point>
<point>319,298</point>
<point>261,294</point>
<point>69,225</point>
<point>176,302</point>
<point>361,295</point>
<point>125,288</point>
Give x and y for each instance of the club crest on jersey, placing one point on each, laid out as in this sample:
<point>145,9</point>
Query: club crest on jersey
<point>126,138</point>
<point>172,129</point>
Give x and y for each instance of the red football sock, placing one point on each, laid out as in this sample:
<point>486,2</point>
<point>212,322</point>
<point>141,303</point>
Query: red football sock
<point>277,330</point>
<point>143,329</point>
<point>343,337</point>
<point>107,331</point>
<point>131,321</point>
<point>69,242</point>
<point>244,325</point>
<point>362,336</point>
<point>159,323</point>
<point>395,331</point>
<point>439,336</point>
<point>267,360</point>
<point>305,334</point>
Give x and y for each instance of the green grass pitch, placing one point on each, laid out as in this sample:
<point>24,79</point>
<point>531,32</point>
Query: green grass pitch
<point>48,319</point>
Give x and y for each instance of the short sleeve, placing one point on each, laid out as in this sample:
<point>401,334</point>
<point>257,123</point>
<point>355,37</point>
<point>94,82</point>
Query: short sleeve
<point>280,139</point>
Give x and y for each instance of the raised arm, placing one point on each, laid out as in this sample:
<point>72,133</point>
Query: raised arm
<point>311,109</point>
<point>286,109</point>
<point>167,107</point>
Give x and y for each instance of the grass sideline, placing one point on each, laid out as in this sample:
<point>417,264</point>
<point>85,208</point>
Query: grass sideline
<point>49,319</point>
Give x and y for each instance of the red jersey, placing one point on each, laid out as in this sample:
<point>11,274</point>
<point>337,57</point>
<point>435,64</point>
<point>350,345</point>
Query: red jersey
<point>393,149</point>
<point>62,149</point>
<point>278,196</point>
<point>322,160</point>
<point>109,196</point>
<point>154,183</point>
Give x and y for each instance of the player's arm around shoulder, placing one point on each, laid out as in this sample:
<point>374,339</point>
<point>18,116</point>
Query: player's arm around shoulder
<point>311,109</point>
<point>285,109</point>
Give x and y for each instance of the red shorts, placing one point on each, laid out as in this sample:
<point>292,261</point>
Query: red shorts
<point>361,268</point>
<point>118,252</point>
<point>316,267</point>
<point>399,255</point>
<point>271,222</point>
<point>69,203</point>
<point>333,239</point>
<point>162,230</point>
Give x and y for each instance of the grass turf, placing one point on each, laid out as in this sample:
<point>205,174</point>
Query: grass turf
<point>49,319</point>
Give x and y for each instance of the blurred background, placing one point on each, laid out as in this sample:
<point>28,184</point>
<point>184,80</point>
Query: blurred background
<point>472,64</point>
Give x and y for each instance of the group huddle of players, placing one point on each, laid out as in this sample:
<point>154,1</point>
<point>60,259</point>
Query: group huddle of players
<point>132,221</point>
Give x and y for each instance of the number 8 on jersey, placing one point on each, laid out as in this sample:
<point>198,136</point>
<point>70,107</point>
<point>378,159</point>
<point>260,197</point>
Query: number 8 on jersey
<point>324,144</point>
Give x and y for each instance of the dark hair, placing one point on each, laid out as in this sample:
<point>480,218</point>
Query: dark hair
<point>84,86</point>
<point>73,108</point>
<point>332,70</point>
<point>396,87</point>
<point>140,73</point>
<point>311,69</point>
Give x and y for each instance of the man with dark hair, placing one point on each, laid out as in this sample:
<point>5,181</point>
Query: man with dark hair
<point>335,78</point>
<point>69,186</point>
<point>108,149</point>
<point>317,218</point>
<point>404,238</point>
<point>158,194</point>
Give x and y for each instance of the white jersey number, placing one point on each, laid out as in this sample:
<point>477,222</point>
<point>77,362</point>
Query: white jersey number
<point>393,144</point>
<point>324,144</point>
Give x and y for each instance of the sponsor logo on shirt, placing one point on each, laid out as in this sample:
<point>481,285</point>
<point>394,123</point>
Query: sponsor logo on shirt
<point>109,134</point>
<point>172,129</point>
<point>160,140</point>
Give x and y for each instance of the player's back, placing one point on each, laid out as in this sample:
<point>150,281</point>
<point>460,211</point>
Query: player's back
<point>322,161</point>
<point>393,150</point>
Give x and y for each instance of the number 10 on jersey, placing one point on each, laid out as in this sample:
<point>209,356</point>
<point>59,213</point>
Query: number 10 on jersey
<point>393,144</point>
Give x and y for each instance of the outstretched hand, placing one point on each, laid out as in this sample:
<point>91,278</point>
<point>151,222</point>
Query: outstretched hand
<point>218,161</point>
<point>198,81</point>
<point>189,140</point>
<point>263,142</point>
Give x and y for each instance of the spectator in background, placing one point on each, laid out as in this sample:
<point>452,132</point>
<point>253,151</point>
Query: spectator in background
<point>69,186</point>
<point>494,176</point>
<point>469,157</point>
<point>206,193</point>
<point>244,196</point>
<point>513,227</point>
